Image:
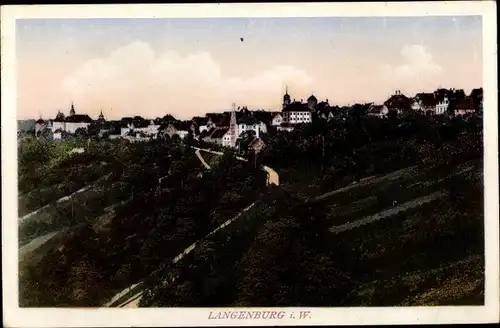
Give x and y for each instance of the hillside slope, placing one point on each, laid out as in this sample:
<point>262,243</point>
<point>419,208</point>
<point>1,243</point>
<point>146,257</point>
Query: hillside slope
<point>283,253</point>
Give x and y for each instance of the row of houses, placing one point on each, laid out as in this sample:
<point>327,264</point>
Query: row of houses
<point>225,127</point>
<point>439,102</point>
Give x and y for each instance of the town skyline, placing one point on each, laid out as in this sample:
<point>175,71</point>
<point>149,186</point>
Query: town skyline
<point>114,116</point>
<point>188,67</point>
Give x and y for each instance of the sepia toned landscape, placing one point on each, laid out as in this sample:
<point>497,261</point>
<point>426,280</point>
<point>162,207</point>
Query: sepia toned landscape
<point>196,178</point>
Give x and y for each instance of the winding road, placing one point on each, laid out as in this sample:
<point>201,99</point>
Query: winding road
<point>272,175</point>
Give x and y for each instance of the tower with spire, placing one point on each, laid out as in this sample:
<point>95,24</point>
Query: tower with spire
<point>72,110</point>
<point>101,117</point>
<point>286,98</point>
<point>233,127</point>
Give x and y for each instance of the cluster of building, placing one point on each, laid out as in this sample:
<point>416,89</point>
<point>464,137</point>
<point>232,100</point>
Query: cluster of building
<point>439,102</point>
<point>227,127</point>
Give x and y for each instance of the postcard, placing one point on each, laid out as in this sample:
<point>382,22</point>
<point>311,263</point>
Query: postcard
<point>250,164</point>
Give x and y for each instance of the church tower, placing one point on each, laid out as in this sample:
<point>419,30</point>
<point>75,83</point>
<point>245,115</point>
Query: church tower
<point>286,98</point>
<point>101,117</point>
<point>233,127</point>
<point>72,110</point>
<point>312,101</point>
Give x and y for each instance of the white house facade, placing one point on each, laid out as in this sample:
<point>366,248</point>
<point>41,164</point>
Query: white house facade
<point>242,127</point>
<point>151,129</point>
<point>226,139</point>
<point>297,117</point>
<point>71,123</point>
<point>442,106</point>
<point>379,111</point>
<point>277,120</point>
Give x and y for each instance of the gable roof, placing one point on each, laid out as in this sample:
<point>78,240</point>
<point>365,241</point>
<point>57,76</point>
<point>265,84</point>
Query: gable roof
<point>219,133</point>
<point>312,98</point>
<point>220,119</point>
<point>375,109</point>
<point>141,123</point>
<point>247,119</point>
<point>79,118</point>
<point>198,120</point>
<point>398,101</point>
<point>264,116</point>
<point>207,133</point>
<point>296,106</point>
<point>426,99</point>
<point>183,125</point>
<point>464,103</point>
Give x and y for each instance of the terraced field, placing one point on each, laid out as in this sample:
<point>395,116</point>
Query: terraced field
<point>71,179</point>
<point>402,239</point>
<point>376,195</point>
<point>415,250</point>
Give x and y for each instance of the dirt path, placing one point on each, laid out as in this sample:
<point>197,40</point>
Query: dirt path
<point>202,160</point>
<point>387,213</point>
<point>62,199</point>
<point>36,243</point>
<point>368,181</point>
<point>272,175</point>
<point>122,300</point>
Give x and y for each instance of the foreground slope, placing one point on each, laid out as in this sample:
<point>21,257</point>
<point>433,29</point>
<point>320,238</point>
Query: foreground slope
<point>284,253</point>
<point>125,232</point>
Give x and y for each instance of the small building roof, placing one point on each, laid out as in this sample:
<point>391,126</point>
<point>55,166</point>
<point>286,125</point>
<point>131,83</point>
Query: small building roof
<point>399,101</point>
<point>183,125</point>
<point>219,133</point>
<point>78,118</point>
<point>427,99</point>
<point>375,109</point>
<point>296,106</point>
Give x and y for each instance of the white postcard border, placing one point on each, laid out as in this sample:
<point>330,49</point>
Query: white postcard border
<point>24,317</point>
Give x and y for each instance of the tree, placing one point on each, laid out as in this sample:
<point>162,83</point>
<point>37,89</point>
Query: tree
<point>189,139</point>
<point>169,119</point>
<point>244,140</point>
<point>81,132</point>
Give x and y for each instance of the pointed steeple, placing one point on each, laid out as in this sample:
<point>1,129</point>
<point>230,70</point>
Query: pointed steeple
<point>72,110</point>
<point>286,98</point>
<point>101,116</point>
<point>233,127</point>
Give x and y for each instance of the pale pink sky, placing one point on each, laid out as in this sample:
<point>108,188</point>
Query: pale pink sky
<point>187,67</point>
